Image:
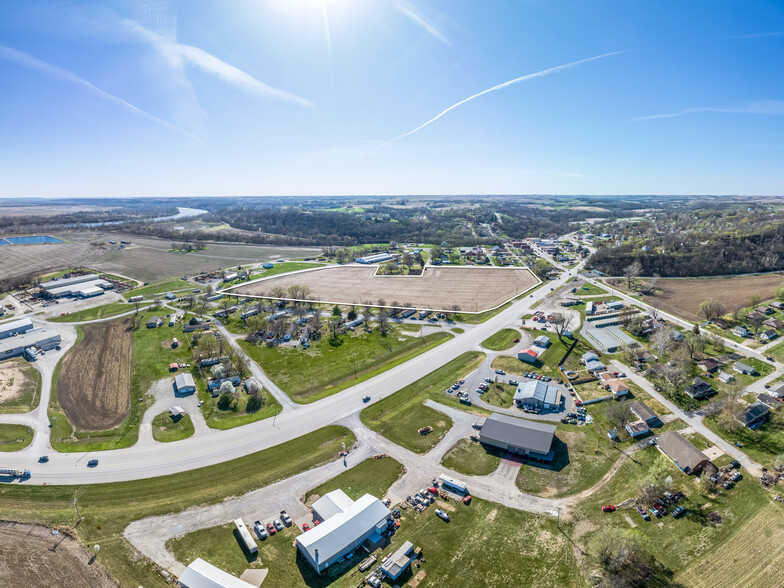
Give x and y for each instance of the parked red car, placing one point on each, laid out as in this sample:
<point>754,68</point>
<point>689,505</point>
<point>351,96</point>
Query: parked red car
<point>608,508</point>
<point>433,491</point>
<point>305,527</point>
<point>467,500</point>
<point>271,528</point>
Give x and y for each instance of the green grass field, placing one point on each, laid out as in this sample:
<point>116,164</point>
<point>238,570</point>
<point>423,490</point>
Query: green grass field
<point>26,397</point>
<point>166,429</point>
<point>590,290</point>
<point>547,363</point>
<point>372,476</point>
<point>503,339</point>
<point>472,458</point>
<point>175,285</point>
<point>500,395</point>
<point>98,312</point>
<point>398,417</point>
<point>763,444</point>
<point>323,369</point>
<point>237,415</point>
<point>109,508</point>
<point>14,437</point>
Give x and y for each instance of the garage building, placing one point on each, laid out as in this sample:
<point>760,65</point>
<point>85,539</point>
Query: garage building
<point>201,574</point>
<point>184,384</point>
<point>537,394</point>
<point>529,438</point>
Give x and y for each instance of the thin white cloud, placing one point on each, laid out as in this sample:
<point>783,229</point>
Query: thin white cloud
<point>58,73</point>
<point>410,12</point>
<point>757,107</point>
<point>538,74</point>
<point>754,35</point>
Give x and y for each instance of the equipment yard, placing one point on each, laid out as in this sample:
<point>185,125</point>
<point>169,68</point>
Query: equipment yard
<point>94,381</point>
<point>438,288</point>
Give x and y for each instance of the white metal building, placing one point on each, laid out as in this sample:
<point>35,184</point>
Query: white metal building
<point>184,384</point>
<point>350,523</point>
<point>201,574</point>
<point>15,327</point>
<point>28,343</point>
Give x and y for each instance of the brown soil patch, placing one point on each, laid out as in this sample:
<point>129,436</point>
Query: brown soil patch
<point>417,579</point>
<point>13,380</point>
<point>93,387</point>
<point>683,297</point>
<point>31,556</point>
<point>472,289</point>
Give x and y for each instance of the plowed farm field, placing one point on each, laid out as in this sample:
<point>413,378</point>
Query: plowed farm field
<point>682,297</point>
<point>93,387</point>
<point>438,288</point>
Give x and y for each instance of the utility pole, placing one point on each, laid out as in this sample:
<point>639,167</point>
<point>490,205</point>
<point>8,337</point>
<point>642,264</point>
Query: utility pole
<point>78,514</point>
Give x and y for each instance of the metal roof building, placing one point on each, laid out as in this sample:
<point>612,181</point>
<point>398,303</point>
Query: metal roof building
<point>537,393</point>
<point>27,342</point>
<point>685,455</point>
<point>529,438</point>
<point>344,531</point>
<point>74,289</point>
<point>68,281</point>
<point>15,327</point>
<point>184,383</point>
<point>398,561</point>
<point>201,574</point>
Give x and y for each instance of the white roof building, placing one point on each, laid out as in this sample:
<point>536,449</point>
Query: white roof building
<point>15,327</point>
<point>350,524</point>
<point>201,574</point>
<point>331,504</point>
<point>184,383</point>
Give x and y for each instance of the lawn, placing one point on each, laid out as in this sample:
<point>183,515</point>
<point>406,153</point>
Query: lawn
<point>324,369</point>
<point>762,445</point>
<point>690,541</point>
<point>399,416</point>
<point>455,553</point>
<point>372,476</point>
<point>547,363</point>
<point>500,395</point>
<point>20,384</point>
<point>458,330</point>
<point>236,415</point>
<point>109,508</point>
<point>472,458</point>
<point>98,312</point>
<point>170,285</point>
<point>503,339</point>
<point>582,456</point>
<point>289,266</point>
<point>166,428</point>
<point>14,437</point>
<point>590,290</point>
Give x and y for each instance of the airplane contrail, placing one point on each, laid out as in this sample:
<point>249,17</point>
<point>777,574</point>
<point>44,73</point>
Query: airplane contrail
<point>524,78</point>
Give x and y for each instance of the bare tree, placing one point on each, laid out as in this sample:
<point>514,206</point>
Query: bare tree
<point>661,340</point>
<point>693,343</point>
<point>711,309</point>
<point>561,322</point>
<point>619,413</point>
<point>631,272</point>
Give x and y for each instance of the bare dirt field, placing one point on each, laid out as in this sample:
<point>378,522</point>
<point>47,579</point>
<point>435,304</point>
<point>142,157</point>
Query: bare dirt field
<point>752,557</point>
<point>31,556</point>
<point>146,259</point>
<point>93,386</point>
<point>18,386</point>
<point>682,297</point>
<point>439,288</point>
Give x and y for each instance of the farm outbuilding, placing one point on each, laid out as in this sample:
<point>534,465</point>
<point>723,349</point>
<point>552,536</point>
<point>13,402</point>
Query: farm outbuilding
<point>184,383</point>
<point>200,574</point>
<point>529,355</point>
<point>399,561</point>
<point>519,436</point>
<point>349,525</point>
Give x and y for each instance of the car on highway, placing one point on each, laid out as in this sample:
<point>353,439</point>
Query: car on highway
<point>92,463</point>
<point>43,459</point>
<point>261,532</point>
<point>608,508</point>
<point>366,399</point>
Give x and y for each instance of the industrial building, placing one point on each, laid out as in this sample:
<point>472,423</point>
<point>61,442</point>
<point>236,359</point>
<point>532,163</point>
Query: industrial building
<point>345,524</point>
<point>79,286</point>
<point>184,384</point>
<point>528,438</point>
<point>28,343</point>
<point>15,328</point>
<point>201,574</point>
<point>377,258</point>
<point>537,394</point>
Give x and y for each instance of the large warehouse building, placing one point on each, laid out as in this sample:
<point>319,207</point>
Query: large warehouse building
<point>519,436</point>
<point>345,524</point>
<point>538,394</point>
<point>28,343</point>
<point>15,328</point>
<point>84,286</point>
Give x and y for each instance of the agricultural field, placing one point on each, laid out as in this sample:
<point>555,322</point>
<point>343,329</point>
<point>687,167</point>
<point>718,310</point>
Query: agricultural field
<point>682,297</point>
<point>400,416</point>
<point>146,259</point>
<point>14,437</point>
<point>550,560</point>
<point>472,458</point>
<point>94,381</point>
<point>323,369</point>
<point>109,508</point>
<point>20,384</point>
<point>32,556</point>
<point>472,290</point>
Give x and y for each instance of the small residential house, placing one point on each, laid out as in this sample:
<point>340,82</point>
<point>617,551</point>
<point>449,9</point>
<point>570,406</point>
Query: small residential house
<point>764,310</point>
<point>542,341</point>
<point>754,415</point>
<point>399,561</point>
<point>768,335</point>
<point>756,315</point>
<point>721,323</point>
<point>743,368</point>
<point>726,378</point>
<point>777,304</point>
<point>637,429</point>
<point>741,331</point>
<point>771,402</point>
<point>589,356</point>
<point>643,412</point>
<point>686,456</point>
<point>595,366</point>
<point>774,323</point>
<point>617,386</point>
<point>643,355</point>
<point>677,336</point>
<point>699,388</point>
<point>708,364</point>
<point>153,322</point>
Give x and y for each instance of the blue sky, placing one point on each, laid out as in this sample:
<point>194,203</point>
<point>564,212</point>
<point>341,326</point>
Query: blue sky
<point>302,97</point>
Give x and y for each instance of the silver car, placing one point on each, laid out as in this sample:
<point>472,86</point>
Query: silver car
<point>278,524</point>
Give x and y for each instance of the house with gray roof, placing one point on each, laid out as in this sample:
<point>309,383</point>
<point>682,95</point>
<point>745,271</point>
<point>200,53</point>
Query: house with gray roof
<point>686,456</point>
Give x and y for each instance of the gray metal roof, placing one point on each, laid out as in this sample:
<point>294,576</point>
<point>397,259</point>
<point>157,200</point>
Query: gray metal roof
<point>15,327</point>
<point>642,410</point>
<point>398,561</point>
<point>537,389</point>
<point>68,281</point>
<point>184,381</point>
<point>201,574</point>
<point>680,450</point>
<point>29,339</point>
<point>530,435</point>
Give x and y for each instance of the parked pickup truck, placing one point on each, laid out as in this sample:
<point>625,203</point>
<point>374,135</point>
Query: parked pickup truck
<point>284,516</point>
<point>261,532</point>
